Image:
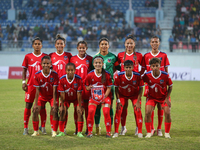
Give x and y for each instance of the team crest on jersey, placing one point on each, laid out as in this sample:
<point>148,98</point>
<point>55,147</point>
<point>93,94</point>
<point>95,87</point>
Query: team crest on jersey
<point>160,58</point>
<point>161,81</point>
<point>65,57</point>
<point>97,93</point>
<point>134,82</point>
<point>109,60</point>
<point>75,85</point>
<point>51,79</point>
<point>87,61</point>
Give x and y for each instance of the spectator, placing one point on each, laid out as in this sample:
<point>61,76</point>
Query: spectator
<point>193,43</point>
<point>171,42</point>
<point>20,16</point>
<point>24,17</point>
<point>69,41</point>
<point>31,3</point>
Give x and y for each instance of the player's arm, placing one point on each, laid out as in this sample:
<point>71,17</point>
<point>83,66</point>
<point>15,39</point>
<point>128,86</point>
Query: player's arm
<point>35,107</point>
<point>24,85</point>
<point>107,91</point>
<point>119,104</point>
<point>62,109</point>
<point>166,69</point>
<point>137,105</point>
<point>54,98</point>
<point>79,97</point>
<point>168,95</point>
<point>142,71</point>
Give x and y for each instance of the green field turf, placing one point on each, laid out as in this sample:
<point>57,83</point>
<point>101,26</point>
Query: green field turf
<point>185,130</point>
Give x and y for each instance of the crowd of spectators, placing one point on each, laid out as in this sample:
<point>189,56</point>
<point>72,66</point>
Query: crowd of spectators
<point>151,3</point>
<point>186,29</point>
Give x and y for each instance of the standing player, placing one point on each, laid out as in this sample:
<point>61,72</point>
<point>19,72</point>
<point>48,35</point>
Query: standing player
<point>59,60</point>
<point>109,65</point>
<point>46,82</point>
<point>70,88</point>
<point>32,63</point>
<point>157,82</point>
<point>136,57</point>
<point>128,86</point>
<point>155,42</point>
<point>99,83</point>
<point>83,64</point>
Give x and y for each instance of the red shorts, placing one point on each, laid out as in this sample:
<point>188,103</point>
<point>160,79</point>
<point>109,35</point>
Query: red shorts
<point>85,94</point>
<point>30,94</point>
<point>153,102</point>
<point>67,103</point>
<point>124,99</point>
<point>42,102</point>
<point>107,100</point>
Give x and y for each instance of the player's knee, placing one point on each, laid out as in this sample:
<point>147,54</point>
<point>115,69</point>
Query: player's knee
<point>148,113</point>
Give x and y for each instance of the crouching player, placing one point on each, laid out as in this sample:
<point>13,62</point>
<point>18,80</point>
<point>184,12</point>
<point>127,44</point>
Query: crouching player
<point>99,83</point>
<point>128,86</point>
<point>46,82</point>
<point>157,82</point>
<point>70,88</point>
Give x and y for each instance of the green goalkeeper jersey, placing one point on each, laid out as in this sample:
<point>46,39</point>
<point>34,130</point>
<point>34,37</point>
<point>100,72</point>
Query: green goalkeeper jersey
<point>109,61</point>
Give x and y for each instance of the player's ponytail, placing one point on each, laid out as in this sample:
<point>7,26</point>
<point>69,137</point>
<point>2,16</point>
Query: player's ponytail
<point>59,37</point>
<point>102,39</point>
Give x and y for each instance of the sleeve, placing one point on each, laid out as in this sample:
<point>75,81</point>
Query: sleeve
<point>116,82</point>
<point>60,86</point>
<point>108,80</point>
<point>56,82</point>
<point>70,56</point>
<point>80,85</point>
<point>25,62</point>
<point>144,78</point>
<point>87,80</point>
<point>141,82</point>
<point>169,81</point>
<point>166,61</point>
<point>118,59</point>
<point>36,81</point>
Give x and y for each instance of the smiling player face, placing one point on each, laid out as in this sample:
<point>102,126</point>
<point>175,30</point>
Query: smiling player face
<point>155,43</point>
<point>98,63</point>
<point>104,46</point>
<point>60,44</point>
<point>70,70</point>
<point>129,45</point>
<point>82,49</point>
<point>46,64</point>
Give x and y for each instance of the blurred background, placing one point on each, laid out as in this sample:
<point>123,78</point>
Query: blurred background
<point>175,22</point>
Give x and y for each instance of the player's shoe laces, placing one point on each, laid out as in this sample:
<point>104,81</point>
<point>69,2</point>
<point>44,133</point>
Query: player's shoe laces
<point>159,132</point>
<point>98,131</point>
<point>35,133</point>
<point>136,131</point>
<point>108,135</point>
<point>115,135</point>
<point>25,131</point>
<point>43,130</point>
<point>89,135</point>
<point>79,134</point>
<point>152,132</point>
<point>123,131</point>
<point>148,135</point>
<point>54,134</point>
<point>140,135</point>
<point>60,134</point>
<point>167,135</point>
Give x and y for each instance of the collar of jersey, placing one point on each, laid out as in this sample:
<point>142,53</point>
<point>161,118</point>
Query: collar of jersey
<point>37,55</point>
<point>60,54</point>
<point>157,76</point>
<point>129,54</point>
<point>80,57</point>
<point>127,77</point>
<point>96,74</point>
<point>72,79</point>
<point>47,75</point>
<point>156,54</point>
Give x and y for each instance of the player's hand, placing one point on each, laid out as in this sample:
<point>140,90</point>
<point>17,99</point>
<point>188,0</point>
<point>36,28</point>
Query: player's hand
<point>55,108</point>
<point>167,102</point>
<point>138,106</point>
<point>24,86</point>
<point>35,108</point>
<point>80,109</point>
<point>89,87</point>
<point>119,106</point>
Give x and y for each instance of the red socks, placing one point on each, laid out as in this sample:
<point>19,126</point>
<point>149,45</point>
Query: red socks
<point>107,119</point>
<point>152,117</point>
<point>160,118</point>
<point>123,117</point>
<point>117,119</point>
<point>148,127</point>
<point>90,118</point>
<point>80,126</point>
<point>51,121</point>
<point>61,126</point>
<point>35,125</point>
<point>55,125</point>
<point>27,114</point>
<point>43,117</point>
<point>167,127</point>
<point>139,120</point>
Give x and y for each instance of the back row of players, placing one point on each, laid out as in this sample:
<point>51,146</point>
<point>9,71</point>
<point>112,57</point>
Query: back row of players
<point>87,83</point>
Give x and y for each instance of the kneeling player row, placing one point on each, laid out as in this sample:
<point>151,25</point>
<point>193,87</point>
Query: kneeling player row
<point>128,85</point>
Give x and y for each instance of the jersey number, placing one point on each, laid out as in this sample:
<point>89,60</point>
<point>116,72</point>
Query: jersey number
<point>81,70</point>
<point>70,93</point>
<point>60,67</point>
<point>47,88</point>
<point>156,89</point>
<point>37,68</point>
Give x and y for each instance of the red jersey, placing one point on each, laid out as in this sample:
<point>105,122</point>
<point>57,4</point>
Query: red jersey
<point>157,86</point>
<point>128,87</point>
<point>93,79</point>
<point>33,64</point>
<point>161,55</point>
<point>83,65</point>
<point>70,88</point>
<point>46,84</point>
<point>59,62</point>
<point>130,57</point>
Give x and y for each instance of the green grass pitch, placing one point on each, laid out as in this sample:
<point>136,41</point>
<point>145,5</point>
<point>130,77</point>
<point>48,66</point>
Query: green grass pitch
<point>185,130</point>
